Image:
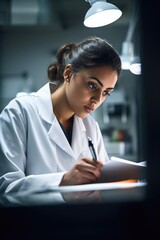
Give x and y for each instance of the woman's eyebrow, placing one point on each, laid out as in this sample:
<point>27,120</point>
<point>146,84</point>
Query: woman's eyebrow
<point>101,84</point>
<point>110,88</point>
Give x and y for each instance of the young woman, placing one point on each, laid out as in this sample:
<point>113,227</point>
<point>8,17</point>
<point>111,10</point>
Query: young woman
<point>44,137</point>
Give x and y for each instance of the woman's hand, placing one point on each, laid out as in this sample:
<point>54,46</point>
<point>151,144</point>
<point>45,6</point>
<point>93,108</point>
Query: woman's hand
<point>85,171</point>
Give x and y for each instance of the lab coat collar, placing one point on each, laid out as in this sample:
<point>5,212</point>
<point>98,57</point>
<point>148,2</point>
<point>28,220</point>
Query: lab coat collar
<point>44,103</point>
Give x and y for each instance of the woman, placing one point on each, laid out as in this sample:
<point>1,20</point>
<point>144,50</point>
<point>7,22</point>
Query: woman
<point>44,136</point>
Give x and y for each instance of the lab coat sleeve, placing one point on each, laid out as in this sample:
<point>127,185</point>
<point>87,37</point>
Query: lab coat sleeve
<point>13,136</point>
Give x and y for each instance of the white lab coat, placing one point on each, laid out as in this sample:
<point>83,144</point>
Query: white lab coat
<point>34,150</point>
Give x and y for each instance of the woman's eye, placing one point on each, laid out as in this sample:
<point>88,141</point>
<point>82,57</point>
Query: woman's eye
<point>92,86</point>
<point>105,93</point>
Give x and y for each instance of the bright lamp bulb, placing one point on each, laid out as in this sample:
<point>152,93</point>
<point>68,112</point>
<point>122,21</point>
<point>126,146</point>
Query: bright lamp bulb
<point>135,68</point>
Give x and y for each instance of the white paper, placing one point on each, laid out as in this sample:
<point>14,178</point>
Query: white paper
<point>118,169</point>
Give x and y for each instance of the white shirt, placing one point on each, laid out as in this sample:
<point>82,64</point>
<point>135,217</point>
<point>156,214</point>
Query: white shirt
<point>34,150</point>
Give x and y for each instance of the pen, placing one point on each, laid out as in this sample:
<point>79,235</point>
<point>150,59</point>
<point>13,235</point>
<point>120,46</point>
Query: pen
<point>91,147</point>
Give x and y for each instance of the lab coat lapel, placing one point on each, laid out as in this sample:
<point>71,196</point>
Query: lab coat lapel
<point>79,139</point>
<point>57,136</point>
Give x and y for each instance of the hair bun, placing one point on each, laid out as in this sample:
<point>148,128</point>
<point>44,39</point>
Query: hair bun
<point>63,51</point>
<point>52,72</point>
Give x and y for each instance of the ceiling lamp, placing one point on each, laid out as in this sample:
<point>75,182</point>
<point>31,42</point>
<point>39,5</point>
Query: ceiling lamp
<point>101,13</point>
<point>135,66</point>
<point>129,60</point>
<point>127,54</point>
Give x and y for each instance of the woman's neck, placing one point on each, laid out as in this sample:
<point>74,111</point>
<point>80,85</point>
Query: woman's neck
<point>61,108</point>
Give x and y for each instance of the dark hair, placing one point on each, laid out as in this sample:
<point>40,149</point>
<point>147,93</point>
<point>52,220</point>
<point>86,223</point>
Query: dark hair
<point>91,52</point>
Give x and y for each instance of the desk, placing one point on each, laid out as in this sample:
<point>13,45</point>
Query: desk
<point>87,193</point>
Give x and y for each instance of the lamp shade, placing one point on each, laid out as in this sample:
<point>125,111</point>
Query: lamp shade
<point>101,13</point>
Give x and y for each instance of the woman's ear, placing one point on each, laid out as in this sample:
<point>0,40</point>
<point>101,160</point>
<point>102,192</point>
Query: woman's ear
<point>67,72</point>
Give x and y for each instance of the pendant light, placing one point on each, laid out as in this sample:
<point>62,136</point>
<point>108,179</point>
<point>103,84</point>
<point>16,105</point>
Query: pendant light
<point>135,66</point>
<point>101,13</point>
<point>130,61</point>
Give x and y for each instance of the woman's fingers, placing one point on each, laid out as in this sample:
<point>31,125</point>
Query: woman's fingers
<point>85,171</point>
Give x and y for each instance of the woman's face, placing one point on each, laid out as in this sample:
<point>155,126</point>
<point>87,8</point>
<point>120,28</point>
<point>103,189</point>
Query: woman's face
<point>88,89</point>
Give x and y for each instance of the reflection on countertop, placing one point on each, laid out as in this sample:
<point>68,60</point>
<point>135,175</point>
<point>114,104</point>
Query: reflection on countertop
<point>88,193</point>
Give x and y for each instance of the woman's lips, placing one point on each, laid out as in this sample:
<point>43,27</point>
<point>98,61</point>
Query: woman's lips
<point>88,109</point>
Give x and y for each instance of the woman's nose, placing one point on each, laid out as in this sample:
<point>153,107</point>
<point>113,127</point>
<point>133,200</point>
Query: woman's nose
<point>97,97</point>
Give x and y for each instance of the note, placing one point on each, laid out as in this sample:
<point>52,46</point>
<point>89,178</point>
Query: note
<point>118,169</point>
